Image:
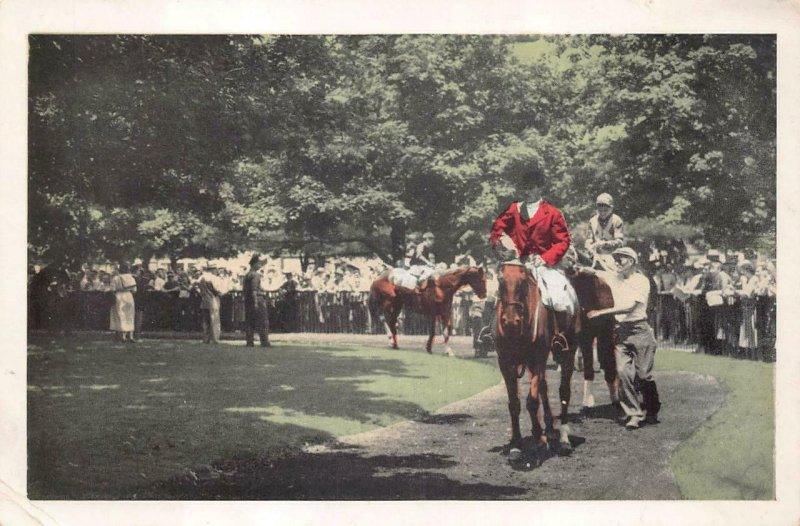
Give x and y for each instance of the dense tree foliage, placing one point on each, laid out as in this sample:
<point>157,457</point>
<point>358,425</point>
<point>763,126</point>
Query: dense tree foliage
<point>177,145</point>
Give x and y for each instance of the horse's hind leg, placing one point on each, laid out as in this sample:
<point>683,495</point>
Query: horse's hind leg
<point>395,313</point>
<point>544,396</point>
<point>431,335</point>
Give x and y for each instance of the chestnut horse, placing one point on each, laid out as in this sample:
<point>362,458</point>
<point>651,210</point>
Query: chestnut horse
<point>527,332</point>
<point>436,300</point>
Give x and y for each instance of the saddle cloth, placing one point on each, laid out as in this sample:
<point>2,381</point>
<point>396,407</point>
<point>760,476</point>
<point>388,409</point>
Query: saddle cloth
<point>403,278</point>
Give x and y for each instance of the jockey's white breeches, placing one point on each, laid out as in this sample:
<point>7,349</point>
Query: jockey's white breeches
<point>421,272</point>
<point>556,290</point>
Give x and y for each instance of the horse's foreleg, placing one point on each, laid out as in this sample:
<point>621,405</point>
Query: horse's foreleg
<point>532,404</point>
<point>514,407</point>
<point>567,361</point>
<point>448,327</point>
<point>384,318</point>
<point>447,331</point>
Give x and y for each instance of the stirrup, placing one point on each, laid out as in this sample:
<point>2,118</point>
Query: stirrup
<point>559,342</point>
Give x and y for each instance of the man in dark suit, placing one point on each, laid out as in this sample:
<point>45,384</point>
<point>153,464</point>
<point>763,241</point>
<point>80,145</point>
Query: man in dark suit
<point>256,313</point>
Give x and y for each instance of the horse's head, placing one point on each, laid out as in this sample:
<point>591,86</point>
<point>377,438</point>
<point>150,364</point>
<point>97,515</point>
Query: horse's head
<point>476,278</point>
<point>515,292</point>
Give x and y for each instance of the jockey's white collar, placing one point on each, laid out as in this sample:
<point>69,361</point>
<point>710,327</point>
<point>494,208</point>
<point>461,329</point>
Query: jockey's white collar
<point>532,207</point>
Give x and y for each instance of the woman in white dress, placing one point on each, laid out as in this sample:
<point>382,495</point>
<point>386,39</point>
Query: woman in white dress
<point>122,313</point>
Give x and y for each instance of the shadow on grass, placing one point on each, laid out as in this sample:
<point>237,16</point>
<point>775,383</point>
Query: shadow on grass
<point>104,417</point>
<point>329,476</point>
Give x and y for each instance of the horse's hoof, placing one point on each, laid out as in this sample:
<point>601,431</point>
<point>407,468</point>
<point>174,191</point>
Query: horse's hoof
<point>514,454</point>
<point>564,449</point>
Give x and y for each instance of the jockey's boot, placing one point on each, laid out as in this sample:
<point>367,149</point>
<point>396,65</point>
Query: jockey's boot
<point>588,396</point>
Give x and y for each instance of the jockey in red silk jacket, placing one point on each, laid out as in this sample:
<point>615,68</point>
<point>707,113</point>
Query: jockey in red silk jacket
<point>544,234</point>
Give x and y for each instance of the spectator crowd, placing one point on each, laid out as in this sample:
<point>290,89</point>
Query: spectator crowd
<point>720,302</point>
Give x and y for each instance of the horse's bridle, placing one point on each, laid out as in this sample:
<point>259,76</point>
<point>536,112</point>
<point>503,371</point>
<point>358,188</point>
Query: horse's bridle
<point>517,303</point>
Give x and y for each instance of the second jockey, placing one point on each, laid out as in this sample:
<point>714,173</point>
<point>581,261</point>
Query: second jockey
<point>534,232</point>
<point>423,261</point>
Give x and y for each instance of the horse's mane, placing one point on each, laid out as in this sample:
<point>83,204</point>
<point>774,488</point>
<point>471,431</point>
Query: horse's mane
<point>455,272</point>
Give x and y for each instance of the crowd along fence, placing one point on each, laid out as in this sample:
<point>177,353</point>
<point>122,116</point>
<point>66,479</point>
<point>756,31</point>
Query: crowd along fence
<point>741,327</point>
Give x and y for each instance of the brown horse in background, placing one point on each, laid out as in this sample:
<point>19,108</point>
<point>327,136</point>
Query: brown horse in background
<point>436,300</point>
<point>527,332</point>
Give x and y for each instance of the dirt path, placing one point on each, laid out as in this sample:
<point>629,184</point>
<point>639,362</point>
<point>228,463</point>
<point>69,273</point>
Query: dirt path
<point>457,453</point>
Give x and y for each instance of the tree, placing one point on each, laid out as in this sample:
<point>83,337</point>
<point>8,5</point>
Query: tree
<point>213,144</point>
<point>126,129</point>
<point>690,118</point>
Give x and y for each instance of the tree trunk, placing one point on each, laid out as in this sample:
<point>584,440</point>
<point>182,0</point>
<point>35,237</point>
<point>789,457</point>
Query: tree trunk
<point>304,260</point>
<point>398,241</point>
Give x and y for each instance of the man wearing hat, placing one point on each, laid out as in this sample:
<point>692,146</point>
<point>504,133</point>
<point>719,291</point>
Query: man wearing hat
<point>636,343</point>
<point>256,312</point>
<point>211,288</point>
<point>288,304</point>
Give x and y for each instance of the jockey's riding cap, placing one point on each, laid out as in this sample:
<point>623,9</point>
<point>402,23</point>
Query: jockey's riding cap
<point>627,252</point>
<point>605,199</point>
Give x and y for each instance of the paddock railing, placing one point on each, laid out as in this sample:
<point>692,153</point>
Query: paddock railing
<point>742,328</point>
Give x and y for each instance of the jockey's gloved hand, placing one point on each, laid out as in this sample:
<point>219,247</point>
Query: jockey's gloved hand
<point>538,261</point>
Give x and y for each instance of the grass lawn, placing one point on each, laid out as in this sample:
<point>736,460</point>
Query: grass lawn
<point>732,455</point>
<point>105,418</point>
